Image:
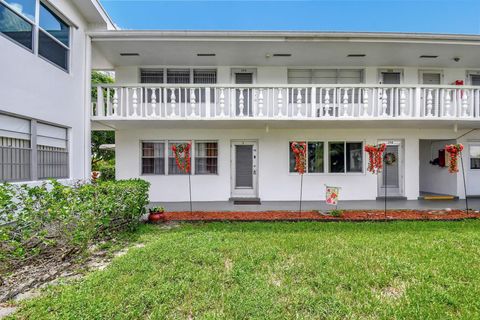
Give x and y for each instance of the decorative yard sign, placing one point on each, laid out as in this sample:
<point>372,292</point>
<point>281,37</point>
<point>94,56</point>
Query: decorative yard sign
<point>455,152</point>
<point>181,152</point>
<point>331,195</point>
<point>375,157</point>
<point>299,149</point>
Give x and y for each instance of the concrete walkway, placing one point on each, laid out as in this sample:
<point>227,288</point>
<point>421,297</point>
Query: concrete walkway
<point>320,205</point>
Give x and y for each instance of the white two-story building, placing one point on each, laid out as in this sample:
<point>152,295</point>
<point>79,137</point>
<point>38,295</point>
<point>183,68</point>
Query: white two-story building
<point>44,88</point>
<point>241,98</point>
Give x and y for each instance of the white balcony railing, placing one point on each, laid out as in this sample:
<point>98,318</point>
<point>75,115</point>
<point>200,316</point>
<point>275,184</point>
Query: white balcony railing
<point>302,102</point>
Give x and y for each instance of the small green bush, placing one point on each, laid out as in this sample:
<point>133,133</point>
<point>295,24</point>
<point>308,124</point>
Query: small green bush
<point>336,213</point>
<point>36,219</point>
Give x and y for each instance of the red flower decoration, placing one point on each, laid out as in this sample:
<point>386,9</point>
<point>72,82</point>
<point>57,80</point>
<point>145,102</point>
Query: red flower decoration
<point>182,156</point>
<point>375,157</point>
<point>300,151</point>
<point>454,151</point>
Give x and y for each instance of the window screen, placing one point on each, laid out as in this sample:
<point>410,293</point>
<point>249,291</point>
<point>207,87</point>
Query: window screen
<point>151,76</point>
<point>204,76</point>
<point>153,158</point>
<point>325,76</point>
<point>206,158</point>
<point>178,75</point>
<point>475,79</point>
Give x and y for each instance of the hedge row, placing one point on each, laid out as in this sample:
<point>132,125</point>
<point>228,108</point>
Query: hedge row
<point>65,218</point>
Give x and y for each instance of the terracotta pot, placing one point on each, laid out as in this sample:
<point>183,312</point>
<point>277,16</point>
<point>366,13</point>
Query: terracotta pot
<point>156,217</point>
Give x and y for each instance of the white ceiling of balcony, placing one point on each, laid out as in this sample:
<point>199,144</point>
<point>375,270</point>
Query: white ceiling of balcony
<point>304,51</point>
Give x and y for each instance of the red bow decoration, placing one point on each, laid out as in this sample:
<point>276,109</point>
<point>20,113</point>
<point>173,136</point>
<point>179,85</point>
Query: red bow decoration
<point>375,153</point>
<point>181,152</point>
<point>454,150</point>
<point>300,151</point>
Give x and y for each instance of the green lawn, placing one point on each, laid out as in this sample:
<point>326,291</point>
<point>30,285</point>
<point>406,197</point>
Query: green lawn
<point>401,270</point>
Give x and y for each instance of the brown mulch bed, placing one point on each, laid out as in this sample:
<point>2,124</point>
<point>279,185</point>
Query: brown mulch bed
<point>347,215</point>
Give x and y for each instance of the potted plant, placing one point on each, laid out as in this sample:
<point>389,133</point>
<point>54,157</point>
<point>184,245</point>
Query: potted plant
<point>156,214</point>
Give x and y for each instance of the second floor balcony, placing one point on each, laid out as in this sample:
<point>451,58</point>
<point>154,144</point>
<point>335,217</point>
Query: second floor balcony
<point>285,102</point>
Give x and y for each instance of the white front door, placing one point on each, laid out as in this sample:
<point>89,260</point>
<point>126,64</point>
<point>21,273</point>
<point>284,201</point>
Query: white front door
<point>472,168</point>
<point>391,179</point>
<point>244,163</point>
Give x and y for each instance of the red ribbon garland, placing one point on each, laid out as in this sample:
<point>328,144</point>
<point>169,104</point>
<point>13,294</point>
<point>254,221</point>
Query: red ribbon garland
<point>300,151</point>
<point>375,152</point>
<point>182,156</point>
<point>454,151</point>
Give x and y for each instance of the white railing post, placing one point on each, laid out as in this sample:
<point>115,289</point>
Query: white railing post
<point>280,103</point>
<point>464,103</point>
<point>241,105</point>
<point>365,102</point>
<point>313,102</point>
<point>260,102</point>
<point>115,102</point>
<point>448,103</point>
<point>299,103</point>
<point>135,102</point>
<point>403,105</point>
<point>384,102</point>
<point>100,104</point>
<point>327,102</point>
<point>222,102</point>
<point>153,99</point>
<point>193,103</point>
<point>207,103</point>
<point>172,103</point>
<point>345,102</point>
<point>429,103</point>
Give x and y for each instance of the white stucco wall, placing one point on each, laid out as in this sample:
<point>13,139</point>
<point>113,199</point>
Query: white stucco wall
<point>434,179</point>
<point>275,182</point>
<point>33,87</point>
<point>279,74</point>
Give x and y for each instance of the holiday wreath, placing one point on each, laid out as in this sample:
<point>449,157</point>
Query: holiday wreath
<point>181,151</point>
<point>390,158</point>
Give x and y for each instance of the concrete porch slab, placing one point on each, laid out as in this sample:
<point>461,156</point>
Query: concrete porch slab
<point>319,205</point>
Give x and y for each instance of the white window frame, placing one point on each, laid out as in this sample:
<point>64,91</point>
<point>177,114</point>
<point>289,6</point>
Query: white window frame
<point>166,68</point>
<point>141,158</point>
<point>362,70</point>
<point>36,29</point>
<point>326,158</point>
<point>469,75</point>
<point>421,72</point>
<point>470,144</point>
<point>33,23</point>
<point>194,157</point>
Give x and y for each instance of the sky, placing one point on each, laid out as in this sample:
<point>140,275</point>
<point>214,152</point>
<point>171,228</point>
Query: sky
<point>431,16</point>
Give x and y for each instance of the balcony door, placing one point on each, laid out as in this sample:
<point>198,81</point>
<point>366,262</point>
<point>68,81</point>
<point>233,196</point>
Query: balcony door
<point>244,169</point>
<point>392,176</point>
<point>244,97</point>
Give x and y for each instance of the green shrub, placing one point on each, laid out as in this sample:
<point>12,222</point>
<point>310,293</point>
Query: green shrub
<point>336,213</point>
<point>37,219</point>
<point>107,172</point>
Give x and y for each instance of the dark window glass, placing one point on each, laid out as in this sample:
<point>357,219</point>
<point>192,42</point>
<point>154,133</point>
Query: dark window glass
<point>54,25</point>
<point>315,157</point>
<point>354,157</point>
<point>206,158</point>
<point>52,50</point>
<point>15,27</point>
<point>153,158</point>
<point>474,157</point>
<point>336,151</point>
<point>24,7</point>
